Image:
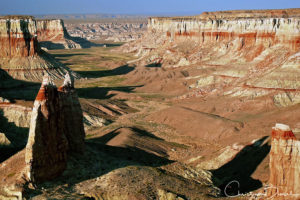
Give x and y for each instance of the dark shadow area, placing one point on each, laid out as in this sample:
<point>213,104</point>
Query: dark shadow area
<point>13,89</point>
<point>102,92</point>
<point>122,70</point>
<point>83,42</point>
<point>51,46</point>
<point>235,176</point>
<point>14,138</point>
<point>100,158</point>
<point>57,56</point>
<point>154,65</point>
<point>140,132</point>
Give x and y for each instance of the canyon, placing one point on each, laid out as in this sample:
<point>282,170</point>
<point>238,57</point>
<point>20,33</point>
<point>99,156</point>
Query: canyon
<point>183,110</point>
<point>118,30</point>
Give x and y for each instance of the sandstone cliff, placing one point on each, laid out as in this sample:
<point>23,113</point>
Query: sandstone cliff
<point>20,55</point>
<point>52,34</point>
<point>47,144</point>
<point>243,53</point>
<point>18,37</point>
<point>284,164</point>
<point>56,126</point>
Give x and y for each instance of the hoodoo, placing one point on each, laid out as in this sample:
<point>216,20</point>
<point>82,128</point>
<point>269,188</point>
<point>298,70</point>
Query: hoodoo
<point>72,113</point>
<point>47,144</point>
<point>56,127</point>
<point>284,164</point>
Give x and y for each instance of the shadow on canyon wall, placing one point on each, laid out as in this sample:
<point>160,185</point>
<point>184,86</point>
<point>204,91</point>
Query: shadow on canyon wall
<point>122,70</point>
<point>101,158</point>
<point>154,65</point>
<point>235,176</point>
<point>102,92</point>
<point>17,137</point>
<point>13,89</point>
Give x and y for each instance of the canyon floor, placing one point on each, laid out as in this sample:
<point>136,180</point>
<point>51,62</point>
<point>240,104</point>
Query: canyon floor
<point>153,141</point>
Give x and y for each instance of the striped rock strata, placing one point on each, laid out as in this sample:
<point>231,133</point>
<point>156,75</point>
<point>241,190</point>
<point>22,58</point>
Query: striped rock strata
<point>52,34</point>
<point>284,164</point>
<point>56,127</point>
<point>20,55</point>
<point>257,52</point>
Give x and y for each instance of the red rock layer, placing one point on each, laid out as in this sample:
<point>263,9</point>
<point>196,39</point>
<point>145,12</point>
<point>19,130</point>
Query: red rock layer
<point>18,38</point>
<point>47,144</point>
<point>50,30</point>
<point>241,28</point>
<point>56,127</point>
<point>284,165</point>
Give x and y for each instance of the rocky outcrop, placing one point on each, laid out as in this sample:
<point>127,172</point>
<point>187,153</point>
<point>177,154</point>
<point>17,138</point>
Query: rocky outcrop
<point>20,55</point>
<point>52,34</point>
<point>47,144</point>
<point>72,113</point>
<point>256,51</point>
<point>240,30</point>
<point>56,127</point>
<point>284,164</point>
<point>109,29</point>
<point>18,37</point>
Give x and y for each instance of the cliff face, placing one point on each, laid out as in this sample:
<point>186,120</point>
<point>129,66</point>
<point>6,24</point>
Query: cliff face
<point>284,164</point>
<point>18,37</point>
<point>245,53</point>
<point>53,35</point>
<point>20,54</point>
<point>238,30</point>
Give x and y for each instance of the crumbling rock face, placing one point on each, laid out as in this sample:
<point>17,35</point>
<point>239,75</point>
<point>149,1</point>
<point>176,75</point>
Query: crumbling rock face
<point>240,31</point>
<point>284,164</point>
<point>47,145</point>
<point>56,126</point>
<point>20,55</point>
<point>72,113</point>
<point>18,37</point>
<point>250,53</point>
<point>53,35</point>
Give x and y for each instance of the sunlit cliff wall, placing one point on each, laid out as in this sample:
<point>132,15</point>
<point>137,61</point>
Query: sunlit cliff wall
<point>18,37</point>
<point>245,29</point>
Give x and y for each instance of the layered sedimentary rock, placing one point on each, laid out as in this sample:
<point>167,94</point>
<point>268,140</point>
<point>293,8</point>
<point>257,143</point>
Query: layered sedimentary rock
<point>284,164</point>
<point>256,51</point>
<point>53,35</point>
<point>47,145</point>
<point>254,28</point>
<point>56,127</point>
<point>71,111</point>
<point>20,55</point>
<point>18,38</point>
<point>116,30</point>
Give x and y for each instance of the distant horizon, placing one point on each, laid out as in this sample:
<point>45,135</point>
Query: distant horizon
<point>136,7</point>
<point>137,14</point>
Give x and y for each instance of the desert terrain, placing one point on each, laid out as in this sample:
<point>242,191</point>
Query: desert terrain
<point>183,109</point>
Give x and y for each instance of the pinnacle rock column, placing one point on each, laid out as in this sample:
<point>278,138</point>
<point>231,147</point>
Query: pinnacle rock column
<point>46,149</point>
<point>72,113</point>
<point>284,164</point>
